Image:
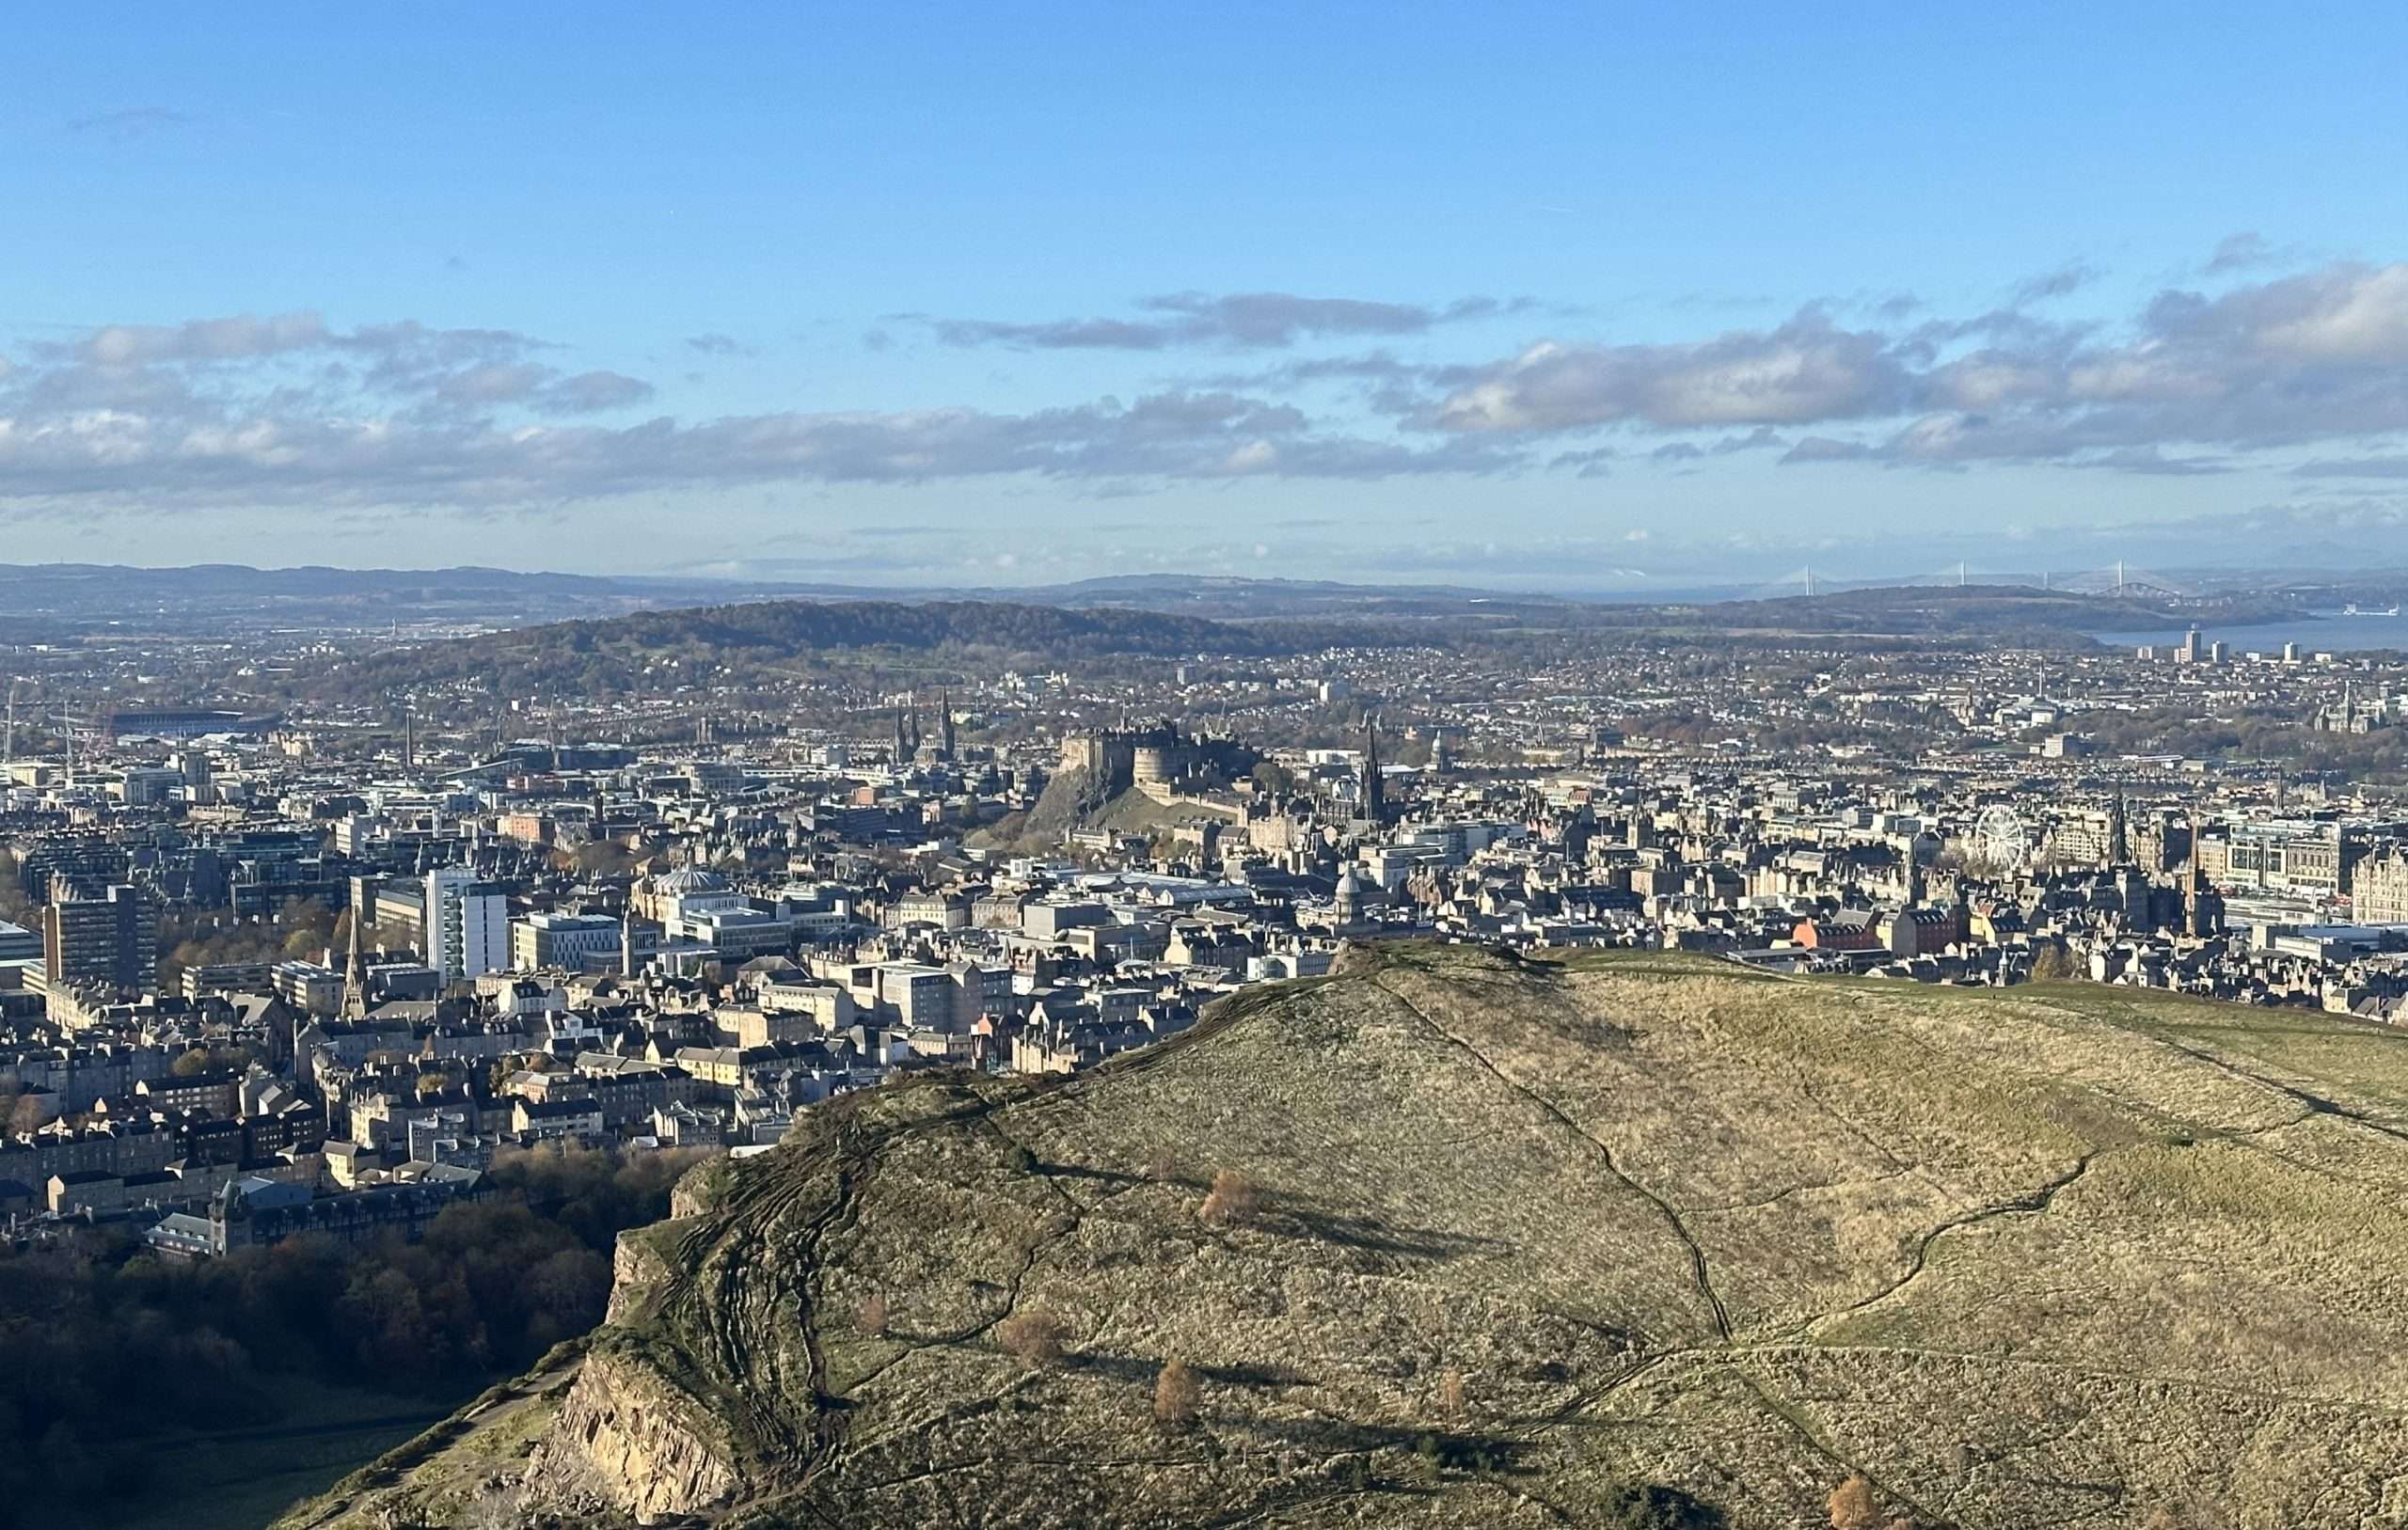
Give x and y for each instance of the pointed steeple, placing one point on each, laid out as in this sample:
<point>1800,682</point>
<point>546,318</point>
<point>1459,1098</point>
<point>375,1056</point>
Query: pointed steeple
<point>355,976</point>
<point>1373,787</point>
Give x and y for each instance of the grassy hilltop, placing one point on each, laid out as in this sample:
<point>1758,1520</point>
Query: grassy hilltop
<point>1455,1240</point>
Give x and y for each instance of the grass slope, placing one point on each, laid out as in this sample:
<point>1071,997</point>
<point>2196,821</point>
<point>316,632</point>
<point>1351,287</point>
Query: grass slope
<point>1529,1238</point>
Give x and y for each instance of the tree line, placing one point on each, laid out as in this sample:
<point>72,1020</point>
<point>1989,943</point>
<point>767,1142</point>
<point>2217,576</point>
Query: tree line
<point>101,1346</point>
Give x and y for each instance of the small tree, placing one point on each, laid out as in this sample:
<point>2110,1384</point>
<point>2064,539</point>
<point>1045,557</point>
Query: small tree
<point>1033,1336</point>
<point>2054,963</point>
<point>25,1114</point>
<point>1233,1198</point>
<point>1177,1394</point>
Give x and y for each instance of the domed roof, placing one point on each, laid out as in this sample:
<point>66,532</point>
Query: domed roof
<point>691,879</point>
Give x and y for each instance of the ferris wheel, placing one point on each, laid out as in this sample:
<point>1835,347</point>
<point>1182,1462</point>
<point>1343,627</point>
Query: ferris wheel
<point>2000,838</point>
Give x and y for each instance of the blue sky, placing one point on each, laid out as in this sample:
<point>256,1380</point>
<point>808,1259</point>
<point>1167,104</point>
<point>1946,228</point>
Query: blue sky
<point>939,293</point>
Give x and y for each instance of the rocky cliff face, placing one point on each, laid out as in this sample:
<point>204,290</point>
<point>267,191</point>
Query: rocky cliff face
<point>624,1442</point>
<point>1455,1239</point>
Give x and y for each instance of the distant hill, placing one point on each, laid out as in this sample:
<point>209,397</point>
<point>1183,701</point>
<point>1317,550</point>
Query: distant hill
<point>49,600</point>
<point>56,602</point>
<point>1453,1239</point>
<point>219,595</point>
<point>618,654</point>
<point>2018,613</point>
<point>612,655</point>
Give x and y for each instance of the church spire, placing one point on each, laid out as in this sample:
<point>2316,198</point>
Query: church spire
<point>354,974</point>
<point>1373,787</point>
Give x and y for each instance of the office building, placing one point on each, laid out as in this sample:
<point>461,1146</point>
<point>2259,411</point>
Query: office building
<point>542,941</point>
<point>468,925</point>
<point>111,941</point>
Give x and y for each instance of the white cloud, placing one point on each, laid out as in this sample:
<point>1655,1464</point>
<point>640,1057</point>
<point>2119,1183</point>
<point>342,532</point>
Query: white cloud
<point>285,408</point>
<point>1806,369</point>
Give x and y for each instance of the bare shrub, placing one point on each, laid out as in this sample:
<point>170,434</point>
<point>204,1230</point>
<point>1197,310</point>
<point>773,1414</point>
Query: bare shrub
<point>871,1315</point>
<point>1450,1393</point>
<point>1233,1198</point>
<point>1033,1336</point>
<point>1177,1392</point>
<point>1163,1168</point>
<point>1854,1508</point>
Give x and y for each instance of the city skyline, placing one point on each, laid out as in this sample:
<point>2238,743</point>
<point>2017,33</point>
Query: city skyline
<point>963,299</point>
